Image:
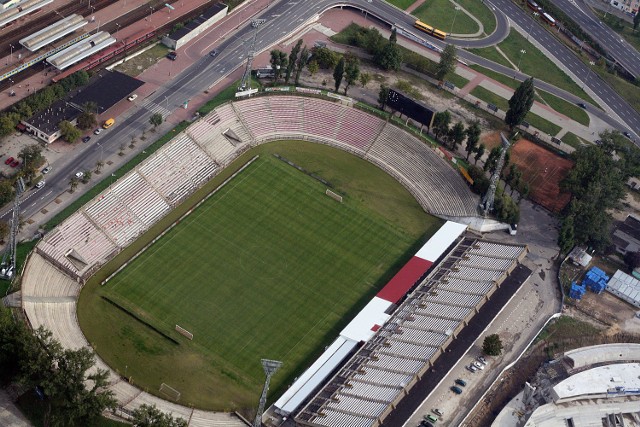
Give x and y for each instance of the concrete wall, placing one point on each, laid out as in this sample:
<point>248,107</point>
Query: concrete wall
<point>177,44</point>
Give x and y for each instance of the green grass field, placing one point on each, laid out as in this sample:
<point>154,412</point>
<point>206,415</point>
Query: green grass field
<point>441,13</point>
<point>268,267</point>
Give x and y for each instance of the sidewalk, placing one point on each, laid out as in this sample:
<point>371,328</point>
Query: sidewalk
<point>10,415</point>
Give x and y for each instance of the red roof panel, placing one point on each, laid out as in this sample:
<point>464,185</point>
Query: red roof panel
<point>408,275</point>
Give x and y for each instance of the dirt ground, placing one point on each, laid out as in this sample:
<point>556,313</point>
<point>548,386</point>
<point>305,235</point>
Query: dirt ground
<point>608,310</point>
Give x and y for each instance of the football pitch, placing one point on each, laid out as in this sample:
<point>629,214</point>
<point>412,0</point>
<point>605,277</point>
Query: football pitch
<point>268,267</point>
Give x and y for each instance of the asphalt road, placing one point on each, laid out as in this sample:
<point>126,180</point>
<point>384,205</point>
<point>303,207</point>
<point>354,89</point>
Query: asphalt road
<point>283,18</point>
<point>615,45</point>
<point>393,16</point>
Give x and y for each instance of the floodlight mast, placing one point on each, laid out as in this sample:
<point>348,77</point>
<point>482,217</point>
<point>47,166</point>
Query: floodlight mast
<point>487,201</point>
<point>245,83</point>
<point>270,367</point>
<point>8,265</point>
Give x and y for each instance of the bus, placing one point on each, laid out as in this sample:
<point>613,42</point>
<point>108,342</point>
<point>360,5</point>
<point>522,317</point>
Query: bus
<point>548,19</point>
<point>430,30</point>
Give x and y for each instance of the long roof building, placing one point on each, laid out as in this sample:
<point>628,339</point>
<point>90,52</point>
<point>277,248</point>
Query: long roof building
<point>53,32</point>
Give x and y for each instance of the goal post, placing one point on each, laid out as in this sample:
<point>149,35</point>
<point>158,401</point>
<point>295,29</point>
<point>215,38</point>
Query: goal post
<point>169,392</point>
<point>184,332</point>
<point>334,196</point>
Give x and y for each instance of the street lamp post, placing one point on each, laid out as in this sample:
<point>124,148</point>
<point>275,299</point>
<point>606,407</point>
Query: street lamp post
<point>591,64</point>
<point>11,56</point>
<point>117,29</point>
<point>454,19</point>
<point>522,52</point>
<point>535,15</point>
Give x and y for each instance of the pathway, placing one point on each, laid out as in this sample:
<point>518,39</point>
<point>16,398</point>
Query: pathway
<point>10,415</point>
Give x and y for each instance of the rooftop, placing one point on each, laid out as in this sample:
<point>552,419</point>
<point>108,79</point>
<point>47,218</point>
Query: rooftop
<point>625,287</point>
<point>108,89</point>
<point>47,120</point>
<point>600,381</point>
<point>631,227</point>
<point>196,22</point>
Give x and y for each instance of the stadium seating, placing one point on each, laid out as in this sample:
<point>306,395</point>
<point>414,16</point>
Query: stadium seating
<point>77,237</point>
<point>113,217</point>
<point>143,201</point>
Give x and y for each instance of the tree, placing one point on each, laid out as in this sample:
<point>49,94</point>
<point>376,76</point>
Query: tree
<point>73,184</point>
<point>492,159</point>
<point>338,73</point>
<point>492,345</point>
<point>390,56</point>
<point>150,416</point>
<point>32,158</point>
<point>352,71</point>
<point>69,132</point>
<point>456,135</point>
<point>520,103</point>
<point>4,232</point>
<point>447,63</point>
<point>301,63</point>
<point>278,63</point>
<point>383,94</point>
<point>566,237</point>
<point>87,176</point>
<point>632,259</point>
<point>325,58</point>
<point>87,120</point>
<point>313,67</point>
<point>72,396</point>
<point>365,78</point>
<point>479,153</point>
<point>293,59</point>
<point>156,120</point>
<point>473,137</point>
<point>441,122</point>
<point>99,166</point>
<point>636,20</point>
<point>6,191</point>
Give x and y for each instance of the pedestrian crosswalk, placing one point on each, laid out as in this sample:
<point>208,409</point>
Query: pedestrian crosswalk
<point>154,107</point>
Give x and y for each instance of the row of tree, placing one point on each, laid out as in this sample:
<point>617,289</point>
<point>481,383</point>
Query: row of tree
<point>70,391</point>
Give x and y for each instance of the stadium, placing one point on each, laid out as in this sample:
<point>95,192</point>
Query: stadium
<point>132,252</point>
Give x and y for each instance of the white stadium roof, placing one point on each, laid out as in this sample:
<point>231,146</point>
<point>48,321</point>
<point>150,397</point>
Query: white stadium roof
<point>611,380</point>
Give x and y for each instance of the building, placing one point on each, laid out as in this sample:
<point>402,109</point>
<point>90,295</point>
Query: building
<point>192,29</point>
<point>629,6</point>
<point>626,235</point>
<point>625,287</point>
<point>6,4</point>
<point>44,124</point>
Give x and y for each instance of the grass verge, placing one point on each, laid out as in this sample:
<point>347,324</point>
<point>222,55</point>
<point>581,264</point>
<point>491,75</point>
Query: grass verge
<point>573,140</point>
<point>137,65</point>
<point>534,63</point>
<point>442,14</point>
<point>538,122</point>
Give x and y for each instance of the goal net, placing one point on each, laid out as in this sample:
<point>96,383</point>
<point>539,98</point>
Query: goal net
<point>170,392</point>
<point>334,196</point>
<point>184,332</point>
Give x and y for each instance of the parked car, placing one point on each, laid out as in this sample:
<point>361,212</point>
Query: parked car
<point>478,365</point>
<point>8,161</point>
<point>97,131</point>
<point>430,418</point>
<point>456,390</point>
<point>132,97</point>
<point>15,163</point>
<point>472,368</point>
<point>481,359</point>
<point>172,56</point>
<point>438,412</point>
<point>213,53</point>
<point>86,139</point>
<point>627,134</point>
<point>46,170</point>
<point>79,175</point>
<point>40,183</point>
<point>460,382</point>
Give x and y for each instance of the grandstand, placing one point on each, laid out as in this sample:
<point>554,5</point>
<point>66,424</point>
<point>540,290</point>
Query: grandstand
<point>402,351</point>
<point>134,203</point>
